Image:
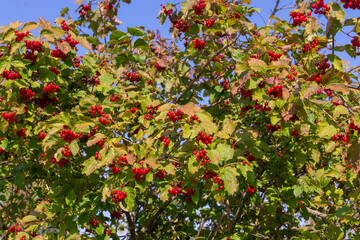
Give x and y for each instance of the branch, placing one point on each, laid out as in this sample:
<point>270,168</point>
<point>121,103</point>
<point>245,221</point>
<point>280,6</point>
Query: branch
<point>131,225</point>
<point>202,69</point>
<point>316,213</point>
<point>326,113</point>
<point>217,227</point>
<point>274,11</point>
<point>237,215</point>
<point>204,219</point>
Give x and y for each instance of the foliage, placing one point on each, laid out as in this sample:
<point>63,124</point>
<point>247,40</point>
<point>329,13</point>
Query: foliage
<point>227,131</point>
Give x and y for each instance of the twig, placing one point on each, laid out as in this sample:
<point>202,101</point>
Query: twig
<point>217,227</point>
<point>204,219</point>
<point>8,212</point>
<point>273,12</point>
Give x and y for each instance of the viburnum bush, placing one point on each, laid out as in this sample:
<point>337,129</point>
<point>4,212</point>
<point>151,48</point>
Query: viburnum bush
<point>227,131</point>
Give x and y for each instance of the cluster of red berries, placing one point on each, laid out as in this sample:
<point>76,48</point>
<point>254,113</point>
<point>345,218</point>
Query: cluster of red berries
<point>107,6</point>
<point>84,10</point>
<point>54,70</point>
<point>322,66</point>
<point>100,143</point>
<point>45,100</point>
<point>9,117</point>
<point>140,173</point>
<point>225,84</point>
<point>60,163</point>
<point>76,61</point>
<point>20,36</point>
<point>273,128</point>
<point>220,182</point>
<point>299,18</point>
<point>42,135</point>
<point>209,22</point>
<point>295,133</point>
<point>199,7</point>
<point>68,135</point>
<point>209,174</point>
<point>132,77</point>
<point>94,222</point>
<point>165,140</point>
<point>181,25</point>
<point>236,15</point>
<point>160,174</point>
<point>251,190</point>
<point>96,110</point>
<point>201,156</point>
<point>64,26</point>
<point>309,46</point>
<point>66,152</point>
<point>274,56</point>
<point>205,139</point>
<point>158,67</point>
<point>116,214</point>
<point>93,80</point>
<point>15,229</point>
<point>133,110</point>
<point>57,53</point>
<point>339,137</point>
<point>29,55</point>
<point>26,94</point>
<point>176,190</point>
<point>152,112</point>
<point>10,75</point>
<point>187,194</point>
<point>355,43</point>
<point>199,44</point>
<point>114,98</point>
<point>275,91</point>
<point>246,93</point>
<point>121,161</point>
<point>21,133</point>
<point>352,4</point>
<point>51,88</point>
<point>320,7</point>
<point>104,119</point>
<point>118,196</point>
<point>262,108</point>
<point>353,127</point>
<point>194,118</point>
<point>175,116</point>
<point>34,46</point>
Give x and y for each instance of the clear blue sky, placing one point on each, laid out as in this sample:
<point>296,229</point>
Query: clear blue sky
<point>138,13</point>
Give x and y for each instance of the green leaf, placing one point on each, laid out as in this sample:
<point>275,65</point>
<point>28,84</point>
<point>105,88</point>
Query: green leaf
<point>230,181</point>
<point>116,35</point>
<point>142,44</point>
<point>325,130</point>
<point>70,198</point>
<point>74,147</point>
<point>193,164</point>
<point>136,31</point>
<point>225,151</point>
<point>297,191</point>
<point>130,198</point>
<point>107,79</point>
<point>237,55</point>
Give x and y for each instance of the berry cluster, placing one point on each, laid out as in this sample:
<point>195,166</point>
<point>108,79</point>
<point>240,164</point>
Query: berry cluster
<point>246,93</point>
<point>60,163</point>
<point>201,156</point>
<point>100,143</point>
<point>26,94</point>
<point>45,100</point>
<point>176,189</point>
<point>96,110</point>
<point>64,26</point>
<point>57,53</point>
<point>262,108</point>
<point>94,80</point>
<point>160,174</point>
<point>116,214</point>
<point>275,91</point>
<point>29,55</point>
<point>221,183</point>
<point>205,139</point>
<point>250,157</point>
<point>68,135</point>
<point>76,61</point>
<point>339,137</point>
<point>118,196</point>
<point>199,44</point>
<point>353,127</point>
<point>181,25</point>
<point>225,84</point>
<point>34,46</point>
<point>51,88</point>
<point>199,7</point>
<point>209,22</point>
<point>94,222</point>
<point>274,56</point>
<point>20,36</point>
<point>352,4</point>
<point>132,77</point>
<point>133,110</point>
<point>320,7</point>
<point>309,46</point>
<point>21,133</point>
<point>187,194</point>
<point>71,42</point>
<point>152,112</point>
<point>295,133</point>
<point>165,140</point>
<point>194,118</point>
<point>273,128</point>
<point>10,75</point>
<point>322,66</point>
<point>114,98</point>
<point>66,152</point>
<point>140,173</point>
<point>15,229</point>
<point>209,174</point>
<point>251,190</point>
<point>42,135</point>
<point>175,116</point>
<point>54,70</point>
<point>84,10</point>
<point>9,117</point>
<point>158,67</point>
<point>299,18</point>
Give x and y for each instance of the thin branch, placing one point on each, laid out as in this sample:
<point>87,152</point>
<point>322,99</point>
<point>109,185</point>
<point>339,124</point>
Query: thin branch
<point>218,226</point>
<point>204,219</point>
<point>326,113</point>
<point>273,12</point>
<point>8,212</point>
